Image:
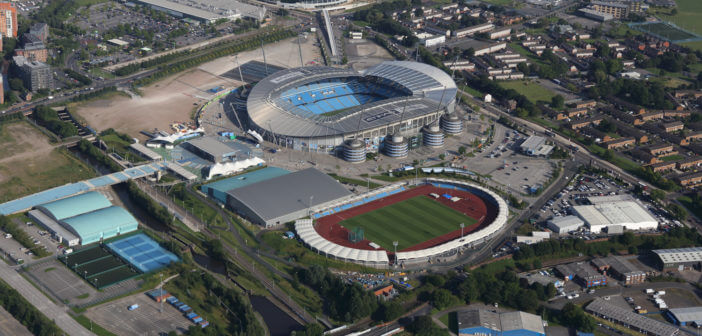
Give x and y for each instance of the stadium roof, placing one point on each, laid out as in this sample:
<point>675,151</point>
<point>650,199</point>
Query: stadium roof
<point>680,255</point>
<point>288,193</point>
<point>76,205</point>
<point>687,314</point>
<point>305,229</point>
<point>90,225</point>
<point>428,86</point>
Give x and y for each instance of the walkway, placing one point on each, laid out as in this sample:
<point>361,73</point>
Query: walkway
<point>54,312</point>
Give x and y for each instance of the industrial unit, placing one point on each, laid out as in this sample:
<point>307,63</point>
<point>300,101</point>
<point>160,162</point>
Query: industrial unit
<point>484,322</point>
<point>643,324</point>
<point>621,269</point>
<point>565,224</point>
<point>535,146</point>
<point>627,214</point>
<point>685,316</point>
<point>679,259</point>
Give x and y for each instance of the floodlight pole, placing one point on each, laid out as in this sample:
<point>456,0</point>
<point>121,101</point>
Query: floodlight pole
<point>160,286</point>
<point>462,226</point>
<point>394,243</point>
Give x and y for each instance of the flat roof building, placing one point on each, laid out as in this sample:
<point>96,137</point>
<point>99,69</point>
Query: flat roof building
<point>535,146</point>
<point>218,189</point>
<point>208,11</point>
<point>679,258</point>
<point>628,214</point>
<point>145,152</point>
<point>621,269</point>
<point>581,273</point>
<point>211,149</point>
<point>565,224</point>
<point>285,198</point>
<point>484,322</point>
<point>643,324</point>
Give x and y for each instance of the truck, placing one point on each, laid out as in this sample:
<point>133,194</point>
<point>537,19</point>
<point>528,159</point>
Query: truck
<point>132,307</point>
<point>660,292</point>
<point>649,291</point>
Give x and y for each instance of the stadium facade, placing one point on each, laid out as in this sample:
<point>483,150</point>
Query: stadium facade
<point>320,108</point>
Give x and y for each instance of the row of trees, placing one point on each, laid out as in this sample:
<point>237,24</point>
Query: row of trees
<point>218,50</point>
<point>675,238</point>
<point>237,309</point>
<point>153,208</point>
<point>49,118</point>
<point>21,237</point>
<point>239,46</point>
<point>26,313</point>
<point>646,94</point>
<point>92,152</point>
<point>82,79</point>
<point>343,302</point>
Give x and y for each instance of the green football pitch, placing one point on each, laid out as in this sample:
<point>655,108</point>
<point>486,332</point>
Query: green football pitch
<point>408,222</point>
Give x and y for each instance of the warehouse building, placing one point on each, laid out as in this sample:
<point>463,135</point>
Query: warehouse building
<point>535,146</point>
<point>84,219</point>
<point>679,259</point>
<point>565,224</point>
<point>621,269</point>
<point>685,316</point>
<point>211,149</point>
<point>628,318</point>
<point>627,214</point>
<point>484,322</point>
<point>285,198</point>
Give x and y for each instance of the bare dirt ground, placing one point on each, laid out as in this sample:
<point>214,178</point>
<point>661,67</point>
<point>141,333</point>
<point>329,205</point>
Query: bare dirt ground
<point>363,54</point>
<point>175,98</point>
<point>29,163</point>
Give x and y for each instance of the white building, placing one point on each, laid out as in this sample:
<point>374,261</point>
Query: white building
<point>565,224</point>
<point>628,214</point>
<point>535,146</point>
<point>500,33</point>
<point>429,40</point>
<point>356,35</point>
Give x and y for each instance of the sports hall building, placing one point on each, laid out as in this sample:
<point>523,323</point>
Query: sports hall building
<point>84,219</point>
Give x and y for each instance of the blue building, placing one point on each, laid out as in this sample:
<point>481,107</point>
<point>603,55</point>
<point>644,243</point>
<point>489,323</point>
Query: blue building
<point>218,190</point>
<point>685,316</point>
<point>483,322</point>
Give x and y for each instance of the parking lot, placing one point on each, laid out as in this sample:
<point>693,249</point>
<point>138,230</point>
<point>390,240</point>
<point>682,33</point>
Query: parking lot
<point>145,320</point>
<point>65,285</point>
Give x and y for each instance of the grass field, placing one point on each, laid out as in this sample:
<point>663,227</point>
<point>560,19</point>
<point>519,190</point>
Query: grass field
<point>409,222</point>
<point>29,163</point>
<point>531,90</point>
<point>666,31</point>
<point>689,17</point>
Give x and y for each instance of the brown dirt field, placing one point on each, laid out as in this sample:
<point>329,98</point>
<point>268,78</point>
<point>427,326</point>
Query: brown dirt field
<point>161,104</point>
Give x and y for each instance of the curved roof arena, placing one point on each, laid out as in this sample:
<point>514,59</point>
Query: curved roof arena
<point>423,89</point>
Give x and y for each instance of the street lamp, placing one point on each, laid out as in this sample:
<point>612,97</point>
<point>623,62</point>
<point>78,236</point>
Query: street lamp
<point>394,243</point>
<point>160,275</point>
<point>462,226</point>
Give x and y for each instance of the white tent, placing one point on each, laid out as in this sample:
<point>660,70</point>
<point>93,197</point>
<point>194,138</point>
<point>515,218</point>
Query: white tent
<point>227,168</point>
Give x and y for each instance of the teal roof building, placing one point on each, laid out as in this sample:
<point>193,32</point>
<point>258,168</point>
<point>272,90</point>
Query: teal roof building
<point>218,190</point>
<point>100,224</point>
<point>90,217</point>
<point>75,205</point>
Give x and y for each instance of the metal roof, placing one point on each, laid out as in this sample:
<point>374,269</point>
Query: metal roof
<point>221,187</point>
<point>98,223</point>
<point>615,213</point>
<point>566,221</point>
<point>286,194</point>
<point>428,87</point>
<point>501,322</point>
<point>680,255</point>
<point>143,150</point>
<point>626,316</point>
<point>520,320</point>
<point>687,314</point>
<point>212,146</point>
<point>76,205</point>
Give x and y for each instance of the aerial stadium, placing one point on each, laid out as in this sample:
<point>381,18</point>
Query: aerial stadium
<point>402,225</point>
<point>323,109</point>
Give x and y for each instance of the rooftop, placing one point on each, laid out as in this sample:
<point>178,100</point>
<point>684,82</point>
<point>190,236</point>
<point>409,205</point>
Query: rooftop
<point>679,255</point>
<point>76,205</point>
<point>212,146</point>
<point>289,193</point>
<point>687,314</point>
<point>621,315</point>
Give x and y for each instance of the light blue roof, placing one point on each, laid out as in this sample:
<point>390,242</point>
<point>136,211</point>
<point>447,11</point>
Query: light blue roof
<point>76,205</point>
<point>221,187</point>
<point>102,223</point>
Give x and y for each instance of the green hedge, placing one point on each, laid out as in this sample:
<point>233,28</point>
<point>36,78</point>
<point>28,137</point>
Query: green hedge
<point>24,312</point>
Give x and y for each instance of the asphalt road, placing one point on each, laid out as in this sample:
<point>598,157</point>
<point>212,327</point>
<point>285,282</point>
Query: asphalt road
<point>54,312</point>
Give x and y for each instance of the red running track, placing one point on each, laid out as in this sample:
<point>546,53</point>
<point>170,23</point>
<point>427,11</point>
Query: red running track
<point>470,204</point>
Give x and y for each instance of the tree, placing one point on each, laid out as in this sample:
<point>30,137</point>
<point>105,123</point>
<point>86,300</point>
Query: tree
<point>419,12</point>
<point>677,211</point>
<point>17,85</point>
<point>557,102</point>
<point>462,150</point>
<point>574,316</point>
<point>424,326</point>
<point>311,329</point>
<point>674,11</point>
<point>442,298</point>
<point>657,194</point>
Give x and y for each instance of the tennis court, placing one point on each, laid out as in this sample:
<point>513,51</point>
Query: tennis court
<point>98,267</point>
<point>142,252</point>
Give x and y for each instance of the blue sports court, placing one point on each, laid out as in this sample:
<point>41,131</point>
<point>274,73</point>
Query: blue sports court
<point>142,252</point>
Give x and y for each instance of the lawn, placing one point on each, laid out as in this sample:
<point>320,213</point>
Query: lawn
<point>689,15</point>
<point>409,222</point>
<point>533,91</point>
<point>674,157</point>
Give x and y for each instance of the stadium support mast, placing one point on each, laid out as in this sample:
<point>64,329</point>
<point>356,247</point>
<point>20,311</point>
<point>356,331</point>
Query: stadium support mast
<point>241,76</point>
<point>438,110</point>
<point>402,116</point>
<point>263,51</point>
<point>453,71</point>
